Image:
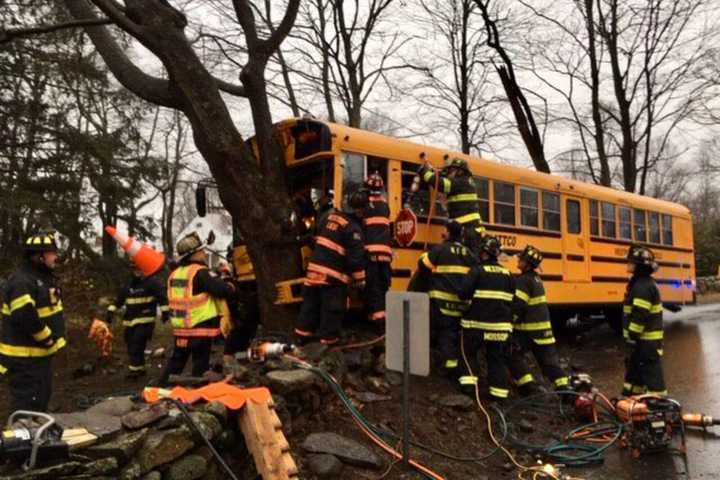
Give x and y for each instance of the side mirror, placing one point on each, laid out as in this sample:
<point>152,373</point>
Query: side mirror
<point>211,238</point>
<point>201,200</point>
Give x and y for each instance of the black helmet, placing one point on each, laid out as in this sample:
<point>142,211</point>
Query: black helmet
<point>374,183</point>
<point>532,256</point>
<point>640,255</point>
<point>455,230</point>
<point>40,243</point>
<point>490,245</point>
<point>356,198</point>
<point>458,163</point>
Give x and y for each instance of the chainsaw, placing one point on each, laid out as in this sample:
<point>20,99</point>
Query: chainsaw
<point>31,446</point>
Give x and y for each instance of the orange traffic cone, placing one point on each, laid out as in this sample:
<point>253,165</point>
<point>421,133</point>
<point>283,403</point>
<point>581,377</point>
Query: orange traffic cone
<point>145,258</point>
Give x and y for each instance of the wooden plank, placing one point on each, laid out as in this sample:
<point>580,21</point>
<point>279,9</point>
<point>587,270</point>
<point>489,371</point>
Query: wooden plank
<point>266,441</point>
<point>78,438</point>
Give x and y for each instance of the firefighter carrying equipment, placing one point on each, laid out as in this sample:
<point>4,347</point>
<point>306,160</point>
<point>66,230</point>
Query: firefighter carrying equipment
<point>103,337</point>
<point>463,204</point>
<point>143,257</point>
<point>232,397</point>
<point>491,288</point>
<point>532,331</point>
<point>441,272</point>
<point>643,332</point>
<point>337,260</point>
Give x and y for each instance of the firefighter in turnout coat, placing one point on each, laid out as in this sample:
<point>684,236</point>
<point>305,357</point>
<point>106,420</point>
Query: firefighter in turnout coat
<point>140,300</point>
<point>643,326</point>
<point>337,261</point>
<point>378,250</point>
<point>488,322</point>
<point>440,273</point>
<point>33,327</point>
<point>532,330</point>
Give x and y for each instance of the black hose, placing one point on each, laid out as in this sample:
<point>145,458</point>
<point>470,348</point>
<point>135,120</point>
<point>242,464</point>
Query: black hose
<point>196,429</point>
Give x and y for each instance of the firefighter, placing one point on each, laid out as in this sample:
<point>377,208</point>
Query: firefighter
<point>140,298</point>
<point>643,326</point>
<point>456,182</point>
<point>532,330</point>
<point>337,260</point>
<point>488,321</point>
<point>33,327</point>
<point>197,299</point>
<point>377,247</point>
<point>441,272</point>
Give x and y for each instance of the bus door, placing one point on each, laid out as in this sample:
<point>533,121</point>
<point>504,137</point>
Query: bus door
<point>576,258</point>
<point>356,167</point>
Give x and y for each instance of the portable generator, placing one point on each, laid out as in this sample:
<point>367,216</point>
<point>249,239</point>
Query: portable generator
<point>32,445</point>
<point>651,423</point>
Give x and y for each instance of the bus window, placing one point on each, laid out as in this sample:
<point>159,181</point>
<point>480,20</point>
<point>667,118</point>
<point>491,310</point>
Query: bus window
<point>574,220</point>
<point>309,183</point>
<point>504,203</point>
<point>483,192</point>
<point>667,230</point>
<point>310,138</point>
<point>625,223</point>
<point>551,211</point>
<point>529,208</point>
<point>608,220</point>
<point>654,220</point>
<point>639,227</point>
<point>418,202</point>
<point>353,172</point>
<point>378,165</point>
<point>594,218</point>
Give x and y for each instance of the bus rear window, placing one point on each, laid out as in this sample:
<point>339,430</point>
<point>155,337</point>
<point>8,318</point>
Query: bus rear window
<point>310,138</point>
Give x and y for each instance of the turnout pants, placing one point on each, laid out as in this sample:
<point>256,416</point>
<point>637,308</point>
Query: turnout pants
<point>546,355</point>
<point>136,339</point>
<point>497,355</point>
<point>199,348</point>
<point>643,369</point>
<point>445,336</point>
<point>30,382</point>
<point>322,313</point>
<point>378,278</point>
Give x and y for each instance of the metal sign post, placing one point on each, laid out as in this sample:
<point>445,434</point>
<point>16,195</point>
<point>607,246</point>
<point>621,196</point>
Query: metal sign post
<point>407,346</point>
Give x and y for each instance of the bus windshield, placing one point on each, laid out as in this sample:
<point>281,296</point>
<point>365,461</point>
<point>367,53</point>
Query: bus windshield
<point>311,188</point>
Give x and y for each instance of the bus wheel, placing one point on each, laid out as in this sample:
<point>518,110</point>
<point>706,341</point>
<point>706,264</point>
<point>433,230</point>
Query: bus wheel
<point>614,317</point>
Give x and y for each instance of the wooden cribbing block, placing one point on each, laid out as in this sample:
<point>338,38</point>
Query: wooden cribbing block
<point>78,438</point>
<point>266,441</point>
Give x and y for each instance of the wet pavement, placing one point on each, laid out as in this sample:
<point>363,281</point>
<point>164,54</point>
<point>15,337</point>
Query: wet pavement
<point>692,368</point>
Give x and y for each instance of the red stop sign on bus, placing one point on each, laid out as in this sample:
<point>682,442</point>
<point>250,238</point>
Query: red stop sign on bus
<point>405,227</point>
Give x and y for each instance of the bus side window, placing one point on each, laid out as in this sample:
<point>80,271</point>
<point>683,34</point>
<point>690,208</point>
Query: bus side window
<point>529,215</point>
<point>378,165</point>
<point>608,220</point>
<point>574,220</point>
<point>551,211</point>
<point>418,202</point>
<point>639,226</point>
<point>353,173</point>
<point>667,229</point>
<point>654,220</point>
<point>594,218</point>
<point>504,203</point>
<point>483,191</point>
<point>625,223</point>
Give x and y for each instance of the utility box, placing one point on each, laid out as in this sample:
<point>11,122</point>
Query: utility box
<point>419,331</point>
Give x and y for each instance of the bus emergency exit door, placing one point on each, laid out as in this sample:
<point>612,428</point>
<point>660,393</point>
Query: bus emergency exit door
<point>575,241</point>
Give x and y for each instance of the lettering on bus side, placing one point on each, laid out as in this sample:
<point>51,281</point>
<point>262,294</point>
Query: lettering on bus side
<point>507,240</point>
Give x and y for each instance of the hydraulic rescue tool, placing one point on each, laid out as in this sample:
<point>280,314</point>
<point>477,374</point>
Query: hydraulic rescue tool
<point>33,445</point>
<point>259,352</point>
<point>651,423</point>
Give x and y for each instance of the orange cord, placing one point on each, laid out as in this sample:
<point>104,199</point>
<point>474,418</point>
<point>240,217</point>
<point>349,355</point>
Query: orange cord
<point>359,344</point>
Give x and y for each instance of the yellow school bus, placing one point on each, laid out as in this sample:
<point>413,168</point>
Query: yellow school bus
<point>583,230</point>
